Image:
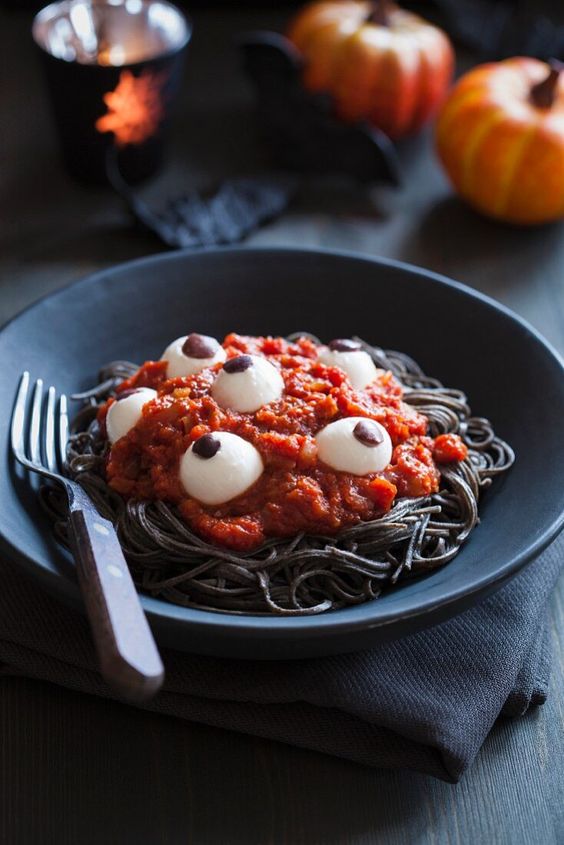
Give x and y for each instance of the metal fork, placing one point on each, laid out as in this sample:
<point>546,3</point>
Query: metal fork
<point>127,654</point>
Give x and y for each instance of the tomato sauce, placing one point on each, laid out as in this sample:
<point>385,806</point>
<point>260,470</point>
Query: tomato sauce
<point>296,492</point>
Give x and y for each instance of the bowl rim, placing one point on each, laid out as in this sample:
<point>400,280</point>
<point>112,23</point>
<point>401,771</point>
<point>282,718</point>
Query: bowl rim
<point>275,627</point>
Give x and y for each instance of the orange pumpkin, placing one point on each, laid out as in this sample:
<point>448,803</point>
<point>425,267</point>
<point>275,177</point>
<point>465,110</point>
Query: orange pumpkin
<point>380,63</point>
<point>500,136</point>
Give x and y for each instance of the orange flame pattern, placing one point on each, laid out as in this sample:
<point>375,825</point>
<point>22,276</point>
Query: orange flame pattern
<point>135,108</point>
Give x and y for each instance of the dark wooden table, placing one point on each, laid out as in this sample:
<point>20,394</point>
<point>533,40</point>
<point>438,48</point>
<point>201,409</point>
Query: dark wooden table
<point>79,770</point>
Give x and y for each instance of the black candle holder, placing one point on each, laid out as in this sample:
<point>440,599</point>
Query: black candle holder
<point>100,101</point>
<point>300,128</point>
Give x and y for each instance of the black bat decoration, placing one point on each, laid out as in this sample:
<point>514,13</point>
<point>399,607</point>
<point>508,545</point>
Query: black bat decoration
<point>303,135</point>
<point>300,128</point>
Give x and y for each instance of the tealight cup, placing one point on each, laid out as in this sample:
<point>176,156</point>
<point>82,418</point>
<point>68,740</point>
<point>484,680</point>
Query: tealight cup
<point>113,68</point>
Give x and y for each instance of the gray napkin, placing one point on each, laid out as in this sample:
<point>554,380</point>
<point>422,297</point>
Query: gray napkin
<point>426,702</point>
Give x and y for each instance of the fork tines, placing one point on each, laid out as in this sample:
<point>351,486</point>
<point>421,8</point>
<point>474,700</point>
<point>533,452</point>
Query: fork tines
<point>39,429</point>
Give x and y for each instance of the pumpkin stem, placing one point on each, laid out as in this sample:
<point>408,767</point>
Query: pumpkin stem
<point>543,93</point>
<point>380,13</point>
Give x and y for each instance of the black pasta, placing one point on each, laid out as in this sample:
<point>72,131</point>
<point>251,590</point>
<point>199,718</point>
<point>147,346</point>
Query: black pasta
<point>306,574</point>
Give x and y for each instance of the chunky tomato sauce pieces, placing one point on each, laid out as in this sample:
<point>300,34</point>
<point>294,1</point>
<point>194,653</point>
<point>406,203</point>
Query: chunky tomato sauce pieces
<point>296,492</point>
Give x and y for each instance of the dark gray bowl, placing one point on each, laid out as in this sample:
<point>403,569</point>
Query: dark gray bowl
<point>132,311</point>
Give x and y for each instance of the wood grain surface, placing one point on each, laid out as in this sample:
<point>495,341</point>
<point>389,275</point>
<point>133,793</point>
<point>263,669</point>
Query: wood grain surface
<point>78,770</point>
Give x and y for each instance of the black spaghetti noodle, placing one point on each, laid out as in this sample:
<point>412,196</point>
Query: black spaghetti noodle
<point>307,574</point>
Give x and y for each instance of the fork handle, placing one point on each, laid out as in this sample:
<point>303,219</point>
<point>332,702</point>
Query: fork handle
<point>127,653</point>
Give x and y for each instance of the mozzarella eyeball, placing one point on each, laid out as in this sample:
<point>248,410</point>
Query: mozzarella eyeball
<point>126,411</point>
<point>356,445</point>
<point>246,383</point>
<point>349,356</point>
<point>218,467</point>
<point>189,355</point>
